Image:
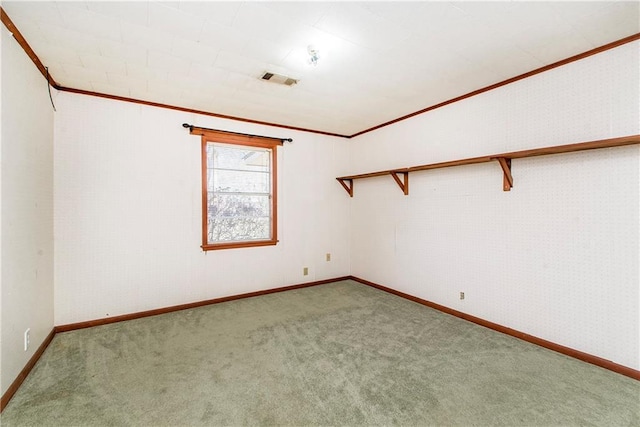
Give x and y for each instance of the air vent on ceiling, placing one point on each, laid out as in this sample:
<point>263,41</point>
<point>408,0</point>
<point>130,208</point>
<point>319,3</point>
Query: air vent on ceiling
<point>279,78</point>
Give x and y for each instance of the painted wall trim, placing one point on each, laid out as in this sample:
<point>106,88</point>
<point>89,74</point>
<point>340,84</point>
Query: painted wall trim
<point>576,354</point>
<point>15,385</point>
<point>22,41</point>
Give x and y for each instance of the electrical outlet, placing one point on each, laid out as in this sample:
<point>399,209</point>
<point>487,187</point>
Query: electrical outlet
<point>27,339</point>
<point>328,257</point>
<point>461,295</point>
<point>305,271</point>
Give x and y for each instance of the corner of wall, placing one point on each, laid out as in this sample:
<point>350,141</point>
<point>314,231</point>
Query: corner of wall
<point>26,224</point>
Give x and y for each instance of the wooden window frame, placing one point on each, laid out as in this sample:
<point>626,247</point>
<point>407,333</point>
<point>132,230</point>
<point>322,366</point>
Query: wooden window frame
<point>220,137</point>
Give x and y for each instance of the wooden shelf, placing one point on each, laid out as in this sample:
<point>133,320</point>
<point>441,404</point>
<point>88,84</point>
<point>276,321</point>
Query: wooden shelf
<point>504,160</point>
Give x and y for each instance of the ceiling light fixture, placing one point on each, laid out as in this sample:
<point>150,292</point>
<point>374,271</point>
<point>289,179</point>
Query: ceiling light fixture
<point>314,54</point>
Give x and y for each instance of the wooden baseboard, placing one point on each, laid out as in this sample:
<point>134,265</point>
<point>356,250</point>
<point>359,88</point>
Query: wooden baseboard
<point>140,314</point>
<point>585,357</point>
<point>6,397</point>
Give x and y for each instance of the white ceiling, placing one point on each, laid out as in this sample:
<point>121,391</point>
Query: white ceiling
<point>379,60</point>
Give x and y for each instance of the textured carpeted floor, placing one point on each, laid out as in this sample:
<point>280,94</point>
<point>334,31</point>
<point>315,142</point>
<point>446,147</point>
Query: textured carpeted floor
<point>335,354</point>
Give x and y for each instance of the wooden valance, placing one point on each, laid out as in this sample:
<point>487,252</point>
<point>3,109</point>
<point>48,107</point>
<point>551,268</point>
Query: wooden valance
<point>234,137</point>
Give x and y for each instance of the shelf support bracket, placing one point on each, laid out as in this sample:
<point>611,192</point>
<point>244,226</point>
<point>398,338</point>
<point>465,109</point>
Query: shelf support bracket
<point>404,183</point>
<point>347,187</point>
<point>507,180</point>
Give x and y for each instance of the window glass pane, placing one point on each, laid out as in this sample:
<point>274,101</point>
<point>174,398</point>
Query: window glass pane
<point>239,181</point>
<point>225,229</point>
<point>209,152</point>
<point>237,205</point>
<point>238,157</point>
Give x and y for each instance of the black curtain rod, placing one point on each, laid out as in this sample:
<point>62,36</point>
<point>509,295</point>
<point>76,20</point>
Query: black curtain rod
<point>190,127</point>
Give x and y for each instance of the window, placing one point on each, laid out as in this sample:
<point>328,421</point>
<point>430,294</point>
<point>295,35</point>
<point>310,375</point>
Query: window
<point>239,190</point>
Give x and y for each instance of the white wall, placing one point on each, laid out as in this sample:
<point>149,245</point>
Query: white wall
<point>558,256</point>
<point>26,231</point>
<point>128,212</point>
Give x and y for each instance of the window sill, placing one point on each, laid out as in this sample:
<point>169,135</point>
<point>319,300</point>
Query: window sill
<point>235,245</point>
